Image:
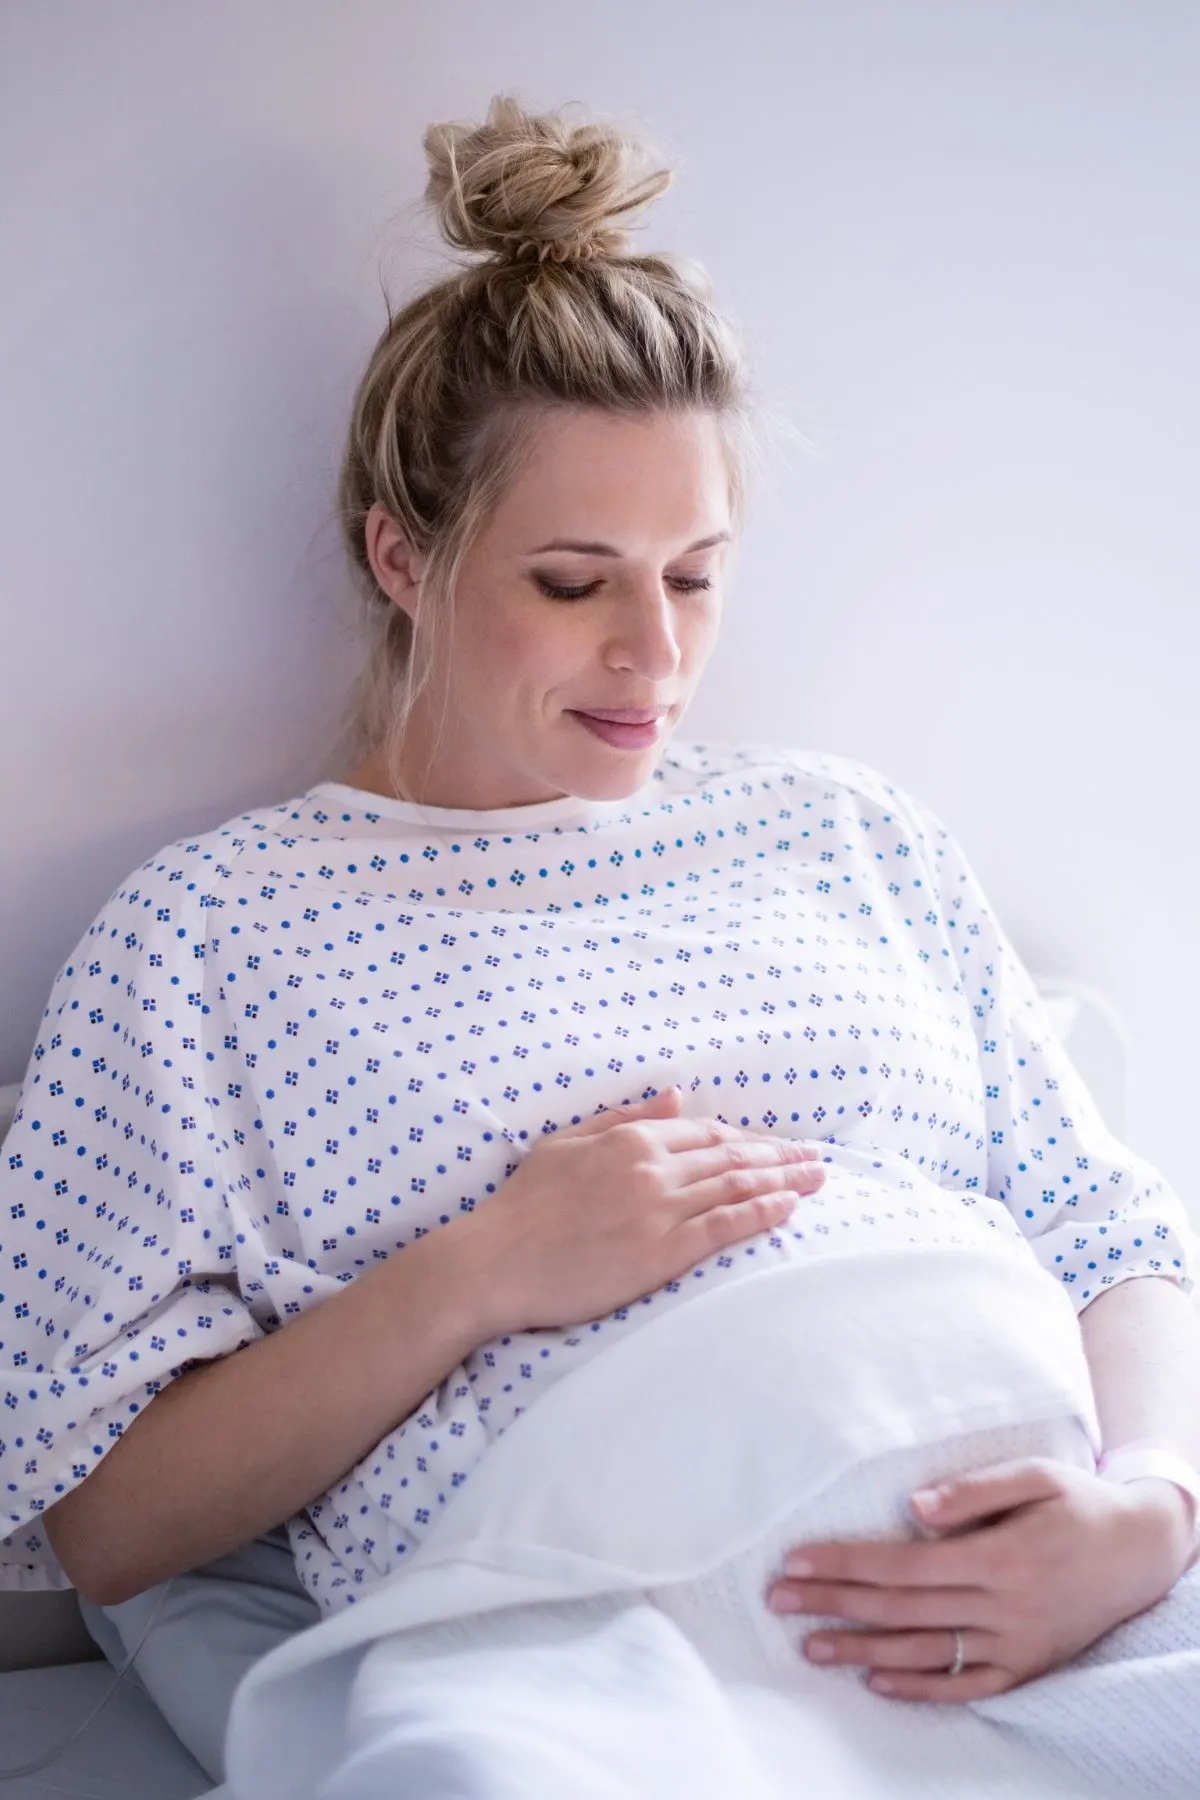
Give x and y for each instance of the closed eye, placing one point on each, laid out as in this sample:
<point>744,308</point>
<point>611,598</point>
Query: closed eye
<point>553,590</point>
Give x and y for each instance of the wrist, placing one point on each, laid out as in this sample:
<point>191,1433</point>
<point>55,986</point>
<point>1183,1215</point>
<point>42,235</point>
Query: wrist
<point>436,1291</point>
<point>1167,1514</point>
<point>472,1271</point>
<point>1165,1487</point>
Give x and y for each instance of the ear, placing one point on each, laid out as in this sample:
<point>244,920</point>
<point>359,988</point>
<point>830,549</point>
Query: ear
<point>395,565</point>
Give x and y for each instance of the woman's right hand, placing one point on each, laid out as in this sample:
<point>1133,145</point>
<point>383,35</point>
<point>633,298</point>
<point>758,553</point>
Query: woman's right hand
<point>600,1213</point>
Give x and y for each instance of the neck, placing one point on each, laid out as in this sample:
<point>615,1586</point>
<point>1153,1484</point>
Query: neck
<point>448,781</point>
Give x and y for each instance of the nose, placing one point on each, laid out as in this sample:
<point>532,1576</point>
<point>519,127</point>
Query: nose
<point>645,639</point>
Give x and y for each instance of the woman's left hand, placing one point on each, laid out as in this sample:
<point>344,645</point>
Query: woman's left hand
<point>1031,1561</point>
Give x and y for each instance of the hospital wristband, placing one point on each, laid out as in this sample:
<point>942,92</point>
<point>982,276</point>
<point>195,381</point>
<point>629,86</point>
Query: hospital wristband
<point>1141,1460</point>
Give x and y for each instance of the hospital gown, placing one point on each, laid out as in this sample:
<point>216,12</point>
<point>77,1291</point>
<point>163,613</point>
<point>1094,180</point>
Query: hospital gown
<point>291,1046</point>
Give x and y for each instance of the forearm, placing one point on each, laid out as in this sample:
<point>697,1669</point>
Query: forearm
<point>1142,1342</point>
<point>233,1447</point>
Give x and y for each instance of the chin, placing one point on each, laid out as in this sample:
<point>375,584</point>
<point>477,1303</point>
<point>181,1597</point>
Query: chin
<point>613,774</point>
<point>594,769</point>
<point>617,788</point>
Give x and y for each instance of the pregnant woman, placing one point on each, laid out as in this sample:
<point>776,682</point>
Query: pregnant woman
<point>541,1053</point>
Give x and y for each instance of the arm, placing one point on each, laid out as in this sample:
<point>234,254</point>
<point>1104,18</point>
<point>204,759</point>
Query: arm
<point>1142,1342</point>
<point>233,1446</point>
<point>1100,1218</point>
<point>597,1214</point>
<point>1096,1213</point>
<point>1052,1556</point>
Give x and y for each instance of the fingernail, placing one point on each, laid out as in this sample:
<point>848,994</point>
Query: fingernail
<point>928,1499</point>
<point>797,1565</point>
<point>880,1684</point>
<point>818,1651</point>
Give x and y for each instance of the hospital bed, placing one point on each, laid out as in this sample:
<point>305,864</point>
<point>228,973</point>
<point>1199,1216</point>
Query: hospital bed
<point>51,1673</point>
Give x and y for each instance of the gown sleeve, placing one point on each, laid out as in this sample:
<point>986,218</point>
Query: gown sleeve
<point>1096,1213</point>
<point>373,1519</point>
<point>118,1258</point>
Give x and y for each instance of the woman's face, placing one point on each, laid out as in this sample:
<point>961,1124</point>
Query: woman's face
<point>583,618</point>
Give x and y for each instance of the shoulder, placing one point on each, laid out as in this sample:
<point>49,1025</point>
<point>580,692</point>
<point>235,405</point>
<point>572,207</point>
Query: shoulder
<point>248,842</point>
<point>871,813</point>
<point>822,774</point>
<point>156,916</point>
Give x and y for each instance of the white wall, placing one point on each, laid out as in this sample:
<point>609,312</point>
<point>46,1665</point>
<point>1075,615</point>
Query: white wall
<point>962,238</point>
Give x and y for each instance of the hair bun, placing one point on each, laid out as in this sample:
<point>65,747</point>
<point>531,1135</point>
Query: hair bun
<point>525,186</point>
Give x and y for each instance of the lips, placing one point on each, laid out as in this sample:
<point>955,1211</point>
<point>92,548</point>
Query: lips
<point>647,715</point>
<point>624,729</point>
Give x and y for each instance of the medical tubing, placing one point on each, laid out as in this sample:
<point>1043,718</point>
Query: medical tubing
<point>56,1750</point>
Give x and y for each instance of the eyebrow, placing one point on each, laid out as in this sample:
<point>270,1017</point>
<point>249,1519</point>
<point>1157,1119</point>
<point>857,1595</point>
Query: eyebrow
<point>588,549</point>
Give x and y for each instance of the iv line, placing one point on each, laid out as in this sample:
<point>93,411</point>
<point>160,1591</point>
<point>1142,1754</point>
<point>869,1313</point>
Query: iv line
<point>56,1750</point>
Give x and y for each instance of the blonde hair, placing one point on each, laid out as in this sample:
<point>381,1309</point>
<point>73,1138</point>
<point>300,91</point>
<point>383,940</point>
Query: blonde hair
<point>557,313</point>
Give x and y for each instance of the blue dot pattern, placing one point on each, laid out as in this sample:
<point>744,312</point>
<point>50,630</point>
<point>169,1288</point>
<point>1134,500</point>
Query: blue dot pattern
<point>294,1045</point>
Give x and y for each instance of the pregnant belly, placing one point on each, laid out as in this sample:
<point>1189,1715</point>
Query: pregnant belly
<point>804,1399</point>
<point>942,1253</point>
<point>868,1203</point>
<point>708,1426</point>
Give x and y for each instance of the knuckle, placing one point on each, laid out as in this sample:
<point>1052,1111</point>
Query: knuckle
<point>754,1216</point>
<point>726,1230</point>
<point>754,1188</point>
<point>744,1184</point>
<point>645,1180</point>
<point>714,1229</point>
<point>632,1137</point>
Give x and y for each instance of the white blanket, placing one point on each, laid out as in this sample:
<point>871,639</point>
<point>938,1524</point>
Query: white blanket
<point>587,1621</point>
